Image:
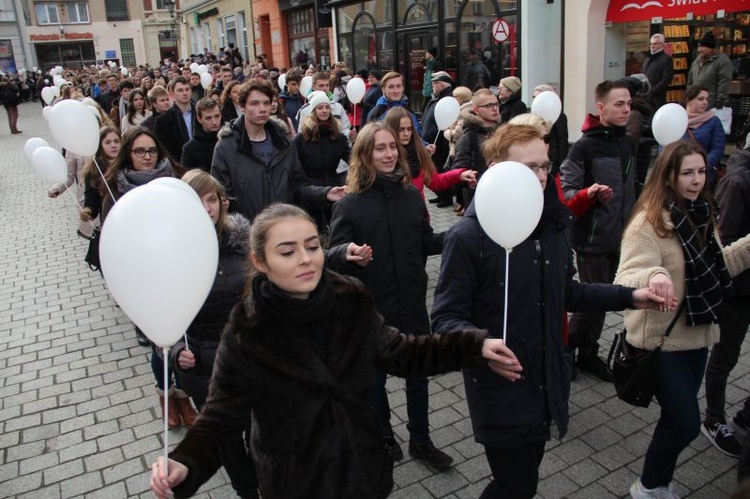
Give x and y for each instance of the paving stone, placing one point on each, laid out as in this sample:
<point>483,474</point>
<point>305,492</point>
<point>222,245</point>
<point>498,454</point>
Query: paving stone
<point>81,484</point>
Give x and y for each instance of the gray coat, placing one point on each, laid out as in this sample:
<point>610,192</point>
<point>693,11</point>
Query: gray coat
<point>250,184</point>
<point>715,74</point>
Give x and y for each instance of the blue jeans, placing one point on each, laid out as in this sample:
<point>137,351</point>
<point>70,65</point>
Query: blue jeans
<point>679,378</point>
<point>416,407</point>
<point>157,367</point>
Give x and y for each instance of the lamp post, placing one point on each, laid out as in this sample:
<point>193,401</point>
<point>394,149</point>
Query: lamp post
<point>171,4</point>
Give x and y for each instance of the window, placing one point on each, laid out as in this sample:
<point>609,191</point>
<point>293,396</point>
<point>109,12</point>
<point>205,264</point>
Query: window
<point>78,12</point>
<point>7,12</point>
<point>301,30</point>
<point>117,10</point>
<point>161,4</point>
<point>127,51</point>
<point>46,13</point>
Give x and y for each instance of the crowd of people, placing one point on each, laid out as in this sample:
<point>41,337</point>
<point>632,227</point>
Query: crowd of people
<point>324,233</point>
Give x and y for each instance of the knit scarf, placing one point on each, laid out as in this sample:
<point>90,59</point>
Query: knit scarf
<point>697,119</point>
<point>706,275</point>
<point>320,302</point>
<point>128,179</point>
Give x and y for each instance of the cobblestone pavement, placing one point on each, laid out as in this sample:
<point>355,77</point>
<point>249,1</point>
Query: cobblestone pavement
<point>78,416</point>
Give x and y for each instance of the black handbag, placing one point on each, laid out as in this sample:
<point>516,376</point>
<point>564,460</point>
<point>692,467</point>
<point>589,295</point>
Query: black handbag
<point>633,369</point>
<point>92,255</point>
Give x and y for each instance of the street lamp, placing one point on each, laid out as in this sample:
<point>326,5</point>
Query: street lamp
<point>173,24</point>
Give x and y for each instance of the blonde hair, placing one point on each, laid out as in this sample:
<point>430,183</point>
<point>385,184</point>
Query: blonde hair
<point>462,94</point>
<point>362,171</point>
<point>543,125</point>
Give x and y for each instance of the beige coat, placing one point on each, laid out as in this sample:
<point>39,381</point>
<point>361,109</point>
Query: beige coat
<point>644,254</point>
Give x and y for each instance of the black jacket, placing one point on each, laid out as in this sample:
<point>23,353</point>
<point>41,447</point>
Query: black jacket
<point>315,433</point>
<point>470,294</point>
<point>430,130</point>
<point>512,108</point>
<point>658,69</point>
<point>558,142</point>
<point>171,129</point>
<point>199,151</point>
<point>468,152</point>
<point>320,159</point>
<point>229,113</point>
<point>370,100</point>
<point>250,184</point>
<point>733,198</point>
<point>393,221</point>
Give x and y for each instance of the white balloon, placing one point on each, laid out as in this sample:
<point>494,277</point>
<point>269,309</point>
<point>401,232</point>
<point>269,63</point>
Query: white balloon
<point>60,82</point>
<point>59,69</point>
<point>282,81</point>
<point>194,67</point>
<point>175,183</point>
<point>56,91</point>
<point>547,105</point>
<point>48,95</point>
<point>75,127</point>
<point>49,164</point>
<point>355,90</point>
<point>669,123</point>
<point>446,112</point>
<point>305,86</point>
<point>34,68</point>
<point>509,202</point>
<point>159,256</point>
<point>32,145</point>
<point>124,71</point>
<point>202,69</point>
<point>206,80</point>
<point>46,112</point>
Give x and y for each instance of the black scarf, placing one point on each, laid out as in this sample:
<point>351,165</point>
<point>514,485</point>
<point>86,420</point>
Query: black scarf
<point>706,275</point>
<point>128,179</point>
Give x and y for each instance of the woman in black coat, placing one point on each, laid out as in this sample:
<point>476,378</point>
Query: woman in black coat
<point>385,211</point>
<point>321,147</point>
<point>301,351</point>
<point>10,94</point>
<point>511,414</point>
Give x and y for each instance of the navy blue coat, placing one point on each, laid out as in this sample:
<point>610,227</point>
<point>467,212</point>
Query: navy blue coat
<point>470,294</point>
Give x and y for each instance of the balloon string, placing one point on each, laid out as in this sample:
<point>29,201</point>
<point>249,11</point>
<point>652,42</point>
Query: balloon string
<point>99,169</point>
<point>165,351</point>
<point>186,341</point>
<point>79,205</point>
<point>436,137</point>
<point>505,308</point>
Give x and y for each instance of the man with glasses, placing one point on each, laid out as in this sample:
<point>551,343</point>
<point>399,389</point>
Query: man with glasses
<point>258,165</point>
<point>603,156</point>
<point>658,68</point>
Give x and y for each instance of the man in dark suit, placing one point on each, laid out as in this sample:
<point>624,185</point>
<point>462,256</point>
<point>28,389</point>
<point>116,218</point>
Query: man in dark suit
<point>658,68</point>
<point>175,127</point>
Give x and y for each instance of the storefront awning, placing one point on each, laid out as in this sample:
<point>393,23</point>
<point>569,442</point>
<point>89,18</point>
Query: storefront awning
<point>621,11</point>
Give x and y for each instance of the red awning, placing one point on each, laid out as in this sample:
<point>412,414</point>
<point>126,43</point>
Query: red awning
<point>621,11</point>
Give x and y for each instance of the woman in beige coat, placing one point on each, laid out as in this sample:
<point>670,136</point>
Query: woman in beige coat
<point>671,246</point>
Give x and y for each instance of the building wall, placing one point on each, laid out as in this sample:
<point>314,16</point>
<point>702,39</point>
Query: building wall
<point>195,33</point>
<point>541,33</point>
<point>155,21</point>
<point>277,51</point>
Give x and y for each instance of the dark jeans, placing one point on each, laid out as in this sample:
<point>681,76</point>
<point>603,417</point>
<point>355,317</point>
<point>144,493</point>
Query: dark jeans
<point>585,328</point>
<point>416,407</point>
<point>734,320</point>
<point>679,378</point>
<point>12,112</point>
<point>515,472</point>
<point>157,367</point>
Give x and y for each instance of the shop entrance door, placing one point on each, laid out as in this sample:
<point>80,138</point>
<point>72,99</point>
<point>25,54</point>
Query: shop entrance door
<point>412,64</point>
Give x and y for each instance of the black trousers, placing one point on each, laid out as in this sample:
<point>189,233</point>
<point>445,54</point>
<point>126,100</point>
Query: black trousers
<point>515,472</point>
<point>585,328</point>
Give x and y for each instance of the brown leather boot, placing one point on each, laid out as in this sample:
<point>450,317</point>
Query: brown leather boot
<point>174,420</point>
<point>187,411</point>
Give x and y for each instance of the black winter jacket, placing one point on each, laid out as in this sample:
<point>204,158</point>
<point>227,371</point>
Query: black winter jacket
<point>512,108</point>
<point>321,158</point>
<point>393,221</point>
<point>172,131</point>
<point>199,151</point>
<point>658,68</point>
<point>250,184</point>
<point>470,294</point>
<point>430,130</point>
<point>469,146</point>
<point>314,432</point>
<point>603,155</point>
<point>733,198</point>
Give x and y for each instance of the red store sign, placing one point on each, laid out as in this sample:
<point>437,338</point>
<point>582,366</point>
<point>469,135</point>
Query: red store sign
<point>621,11</point>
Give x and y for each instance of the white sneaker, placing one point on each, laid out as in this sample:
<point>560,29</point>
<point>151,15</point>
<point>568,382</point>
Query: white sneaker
<point>638,491</point>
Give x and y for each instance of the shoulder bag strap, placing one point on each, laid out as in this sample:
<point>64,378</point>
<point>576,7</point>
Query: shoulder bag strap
<point>671,324</point>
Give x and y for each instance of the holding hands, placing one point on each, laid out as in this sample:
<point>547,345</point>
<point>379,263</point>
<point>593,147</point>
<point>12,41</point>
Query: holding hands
<point>603,193</point>
<point>361,255</point>
<point>663,287</point>
<point>470,177</point>
<point>336,193</point>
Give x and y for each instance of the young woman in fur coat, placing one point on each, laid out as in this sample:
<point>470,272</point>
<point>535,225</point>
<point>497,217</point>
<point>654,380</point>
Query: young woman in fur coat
<point>301,352</point>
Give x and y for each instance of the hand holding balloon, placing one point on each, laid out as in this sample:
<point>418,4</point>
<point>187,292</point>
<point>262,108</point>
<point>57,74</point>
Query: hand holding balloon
<point>186,359</point>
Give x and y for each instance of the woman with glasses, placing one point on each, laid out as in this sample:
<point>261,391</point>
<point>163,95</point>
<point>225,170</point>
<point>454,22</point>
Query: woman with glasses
<point>511,414</point>
<point>140,160</point>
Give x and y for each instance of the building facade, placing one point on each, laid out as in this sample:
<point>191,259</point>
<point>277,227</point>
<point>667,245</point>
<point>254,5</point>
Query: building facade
<point>83,33</point>
<point>212,25</point>
<point>14,53</point>
<point>162,30</point>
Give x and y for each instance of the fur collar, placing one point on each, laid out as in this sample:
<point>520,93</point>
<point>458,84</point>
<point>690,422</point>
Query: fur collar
<point>236,234</point>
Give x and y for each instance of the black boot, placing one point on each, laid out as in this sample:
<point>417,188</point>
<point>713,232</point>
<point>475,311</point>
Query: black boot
<point>431,455</point>
<point>393,448</point>
<point>596,366</point>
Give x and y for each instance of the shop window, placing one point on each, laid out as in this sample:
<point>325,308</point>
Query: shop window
<point>47,13</point>
<point>346,16</point>
<point>117,10</point>
<point>417,12</point>
<point>386,58</point>
<point>127,52</point>
<point>78,12</point>
<point>382,12</point>
<point>345,50</point>
<point>161,4</point>
<point>365,47</point>
<point>7,12</point>
<point>301,32</point>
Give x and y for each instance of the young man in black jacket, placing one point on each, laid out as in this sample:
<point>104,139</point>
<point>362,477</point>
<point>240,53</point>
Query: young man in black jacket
<point>199,151</point>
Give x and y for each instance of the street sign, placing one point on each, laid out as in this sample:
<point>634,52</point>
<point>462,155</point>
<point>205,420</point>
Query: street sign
<point>500,30</point>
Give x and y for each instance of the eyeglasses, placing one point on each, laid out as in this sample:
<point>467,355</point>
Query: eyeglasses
<point>141,152</point>
<point>491,105</point>
<point>546,168</point>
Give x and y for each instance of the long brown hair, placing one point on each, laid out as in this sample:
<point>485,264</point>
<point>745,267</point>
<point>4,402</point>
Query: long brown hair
<point>131,108</point>
<point>393,119</point>
<point>661,187</point>
<point>203,183</point>
<point>311,128</point>
<point>362,171</point>
<point>226,98</point>
<point>123,159</point>
<point>90,169</point>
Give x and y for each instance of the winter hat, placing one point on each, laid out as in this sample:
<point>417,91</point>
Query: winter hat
<point>708,40</point>
<point>441,76</point>
<point>433,51</point>
<point>512,83</point>
<point>376,74</point>
<point>316,98</point>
